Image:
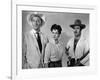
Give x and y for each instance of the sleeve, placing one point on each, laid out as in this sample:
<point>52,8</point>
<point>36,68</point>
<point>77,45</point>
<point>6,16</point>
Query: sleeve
<point>86,52</point>
<point>67,48</point>
<point>46,40</point>
<point>64,59</point>
<point>69,43</point>
<point>47,53</point>
<point>86,49</point>
<point>24,50</point>
<point>85,60</point>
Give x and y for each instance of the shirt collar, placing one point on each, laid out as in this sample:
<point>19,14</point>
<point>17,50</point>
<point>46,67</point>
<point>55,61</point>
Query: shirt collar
<point>34,31</point>
<point>81,39</point>
<point>52,41</point>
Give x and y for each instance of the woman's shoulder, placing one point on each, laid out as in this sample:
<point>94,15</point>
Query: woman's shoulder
<point>50,44</point>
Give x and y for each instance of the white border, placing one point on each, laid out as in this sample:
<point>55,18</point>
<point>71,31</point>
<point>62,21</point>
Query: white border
<point>18,73</point>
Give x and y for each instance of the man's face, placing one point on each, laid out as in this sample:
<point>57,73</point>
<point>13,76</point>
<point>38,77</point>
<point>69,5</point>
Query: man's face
<point>55,34</point>
<point>36,23</point>
<point>77,31</point>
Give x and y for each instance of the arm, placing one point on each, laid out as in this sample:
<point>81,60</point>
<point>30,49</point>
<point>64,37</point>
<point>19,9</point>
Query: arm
<point>85,56</point>
<point>24,52</point>
<point>68,56</point>
<point>47,55</point>
<point>83,59</point>
<point>64,58</point>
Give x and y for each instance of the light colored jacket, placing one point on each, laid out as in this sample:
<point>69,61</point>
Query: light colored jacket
<point>82,48</point>
<point>32,57</point>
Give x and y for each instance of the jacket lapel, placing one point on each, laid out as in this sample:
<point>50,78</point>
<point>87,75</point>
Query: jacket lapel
<point>35,42</point>
<point>78,47</point>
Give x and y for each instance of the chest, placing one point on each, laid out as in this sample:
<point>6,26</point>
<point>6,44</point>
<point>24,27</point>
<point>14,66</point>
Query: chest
<point>77,46</point>
<point>56,50</point>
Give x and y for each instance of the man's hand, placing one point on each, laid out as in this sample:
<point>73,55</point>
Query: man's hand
<point>77,62</point>
<point>46,65</point>
<point>66,51</point>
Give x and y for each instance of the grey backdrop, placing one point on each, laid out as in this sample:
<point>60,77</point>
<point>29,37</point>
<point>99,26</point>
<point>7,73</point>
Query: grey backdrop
<point>63,19</point>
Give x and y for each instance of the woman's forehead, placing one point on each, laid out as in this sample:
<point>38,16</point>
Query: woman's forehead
<point>55,30</point>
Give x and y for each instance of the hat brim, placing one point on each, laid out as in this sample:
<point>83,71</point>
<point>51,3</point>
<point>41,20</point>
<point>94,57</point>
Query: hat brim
<point>36,14</point>
<point>82,26</point>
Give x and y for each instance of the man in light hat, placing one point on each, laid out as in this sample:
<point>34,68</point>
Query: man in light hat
<point>78,48</point>
<point>34,42</point>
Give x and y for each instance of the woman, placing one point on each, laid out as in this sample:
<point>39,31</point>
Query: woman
<point>54,50</point>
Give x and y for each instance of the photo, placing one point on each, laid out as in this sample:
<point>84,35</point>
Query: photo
<point>55,39</point>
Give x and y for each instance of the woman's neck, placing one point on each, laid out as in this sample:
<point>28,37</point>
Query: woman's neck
<point>56,41</point>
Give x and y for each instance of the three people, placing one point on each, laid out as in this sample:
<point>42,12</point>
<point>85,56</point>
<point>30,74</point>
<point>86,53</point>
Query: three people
<point>34,42</point>
<point>78,47</point>
<point>39,52</point>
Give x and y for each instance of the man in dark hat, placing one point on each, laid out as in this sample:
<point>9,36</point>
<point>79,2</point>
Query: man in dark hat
<point>77,47</point>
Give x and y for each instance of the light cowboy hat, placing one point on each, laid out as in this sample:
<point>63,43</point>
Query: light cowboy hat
<point>33,14</point>
<point>78,23</point>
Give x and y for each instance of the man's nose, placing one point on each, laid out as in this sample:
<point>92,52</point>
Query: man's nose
<point>75,31</point>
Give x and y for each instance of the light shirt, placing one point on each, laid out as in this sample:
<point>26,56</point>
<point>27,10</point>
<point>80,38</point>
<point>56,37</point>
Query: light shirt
<point>82,48</point>
<point>53,52</point>
<point>34,32</point>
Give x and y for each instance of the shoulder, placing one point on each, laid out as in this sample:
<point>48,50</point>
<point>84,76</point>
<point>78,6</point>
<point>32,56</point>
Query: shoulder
<point>85,41</point>
<point>49,45</point>
<point>26,35</point>
<point>45,37</point>
<point>61,44</point>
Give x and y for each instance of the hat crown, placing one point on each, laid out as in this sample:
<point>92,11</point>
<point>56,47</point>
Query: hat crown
<point>32,14</point>
<point>77,22</point>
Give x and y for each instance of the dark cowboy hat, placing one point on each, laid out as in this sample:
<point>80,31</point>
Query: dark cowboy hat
<point>78,23</point>
<point>32,14</point>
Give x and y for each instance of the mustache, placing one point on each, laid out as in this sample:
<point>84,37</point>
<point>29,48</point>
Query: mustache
<point>75,32</point>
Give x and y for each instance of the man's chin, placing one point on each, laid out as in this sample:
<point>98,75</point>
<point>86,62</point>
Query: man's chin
<point>36,29</point>
<point>55,39</point>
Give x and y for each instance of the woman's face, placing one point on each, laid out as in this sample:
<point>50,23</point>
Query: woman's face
<point>36,23</point>
<point>77,31</point>
<point>55,34</point>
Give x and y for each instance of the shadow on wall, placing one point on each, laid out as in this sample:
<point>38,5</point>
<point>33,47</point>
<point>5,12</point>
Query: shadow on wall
<point>64,38</point>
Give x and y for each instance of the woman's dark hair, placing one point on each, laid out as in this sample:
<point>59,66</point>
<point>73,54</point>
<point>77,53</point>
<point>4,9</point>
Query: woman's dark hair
<point>56,27</point>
